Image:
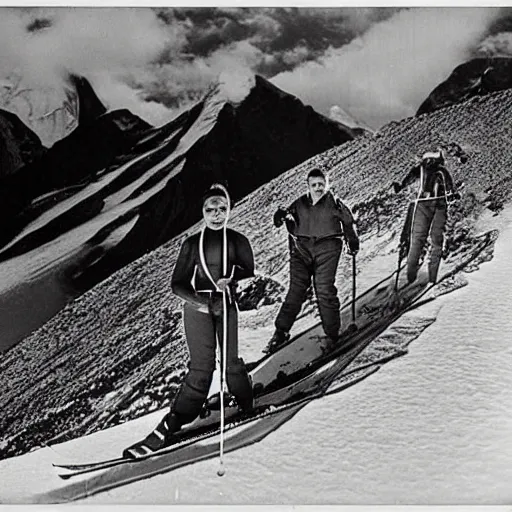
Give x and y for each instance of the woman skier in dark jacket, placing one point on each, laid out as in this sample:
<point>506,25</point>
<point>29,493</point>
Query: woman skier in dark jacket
<point>200,280</point>
<point>428,213</point>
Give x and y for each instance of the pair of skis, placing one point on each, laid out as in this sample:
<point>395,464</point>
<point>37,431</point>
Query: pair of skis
<point>363,338</point>
<point>67,471</point>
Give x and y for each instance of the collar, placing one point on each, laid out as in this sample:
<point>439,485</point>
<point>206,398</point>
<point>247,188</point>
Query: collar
<point>309,200</point>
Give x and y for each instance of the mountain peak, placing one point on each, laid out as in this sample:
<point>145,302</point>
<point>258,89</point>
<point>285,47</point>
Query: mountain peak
<point>476,77</point>
<point>231,87</point>
<point>89,106</point>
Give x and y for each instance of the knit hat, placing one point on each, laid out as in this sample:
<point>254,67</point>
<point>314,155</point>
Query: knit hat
<point>217,190</point>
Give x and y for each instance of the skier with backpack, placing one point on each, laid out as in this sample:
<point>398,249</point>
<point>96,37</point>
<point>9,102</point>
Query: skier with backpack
<point>316,223</point>
<point>209,265</point>
<point>427,214</point>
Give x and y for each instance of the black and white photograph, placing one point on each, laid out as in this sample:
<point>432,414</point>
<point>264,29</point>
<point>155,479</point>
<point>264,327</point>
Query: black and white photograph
<point>256,255</point>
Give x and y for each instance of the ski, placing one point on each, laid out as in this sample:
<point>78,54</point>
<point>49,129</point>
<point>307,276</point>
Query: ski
<point>265,412</point>
<point>335,361</point>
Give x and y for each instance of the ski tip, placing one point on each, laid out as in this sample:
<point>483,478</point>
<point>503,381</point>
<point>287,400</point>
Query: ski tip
<point>59,466</point>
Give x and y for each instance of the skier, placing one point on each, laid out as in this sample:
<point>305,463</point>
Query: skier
<point>314,223</point>
<point>199,281</point>
<point>428,213</point>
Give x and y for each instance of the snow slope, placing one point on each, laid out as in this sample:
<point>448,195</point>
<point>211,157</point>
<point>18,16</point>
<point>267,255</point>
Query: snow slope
<point>432,427</point>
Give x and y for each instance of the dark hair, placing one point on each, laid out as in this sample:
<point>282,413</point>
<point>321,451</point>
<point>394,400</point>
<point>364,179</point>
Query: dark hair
<point>218,190</point>
<point>316,173</point>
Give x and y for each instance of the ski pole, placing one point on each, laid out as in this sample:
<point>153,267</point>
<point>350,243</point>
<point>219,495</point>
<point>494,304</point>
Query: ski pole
<point>405,238</point>
<point>353,325</point>
<point>221,470</point>
<point>398,269</point>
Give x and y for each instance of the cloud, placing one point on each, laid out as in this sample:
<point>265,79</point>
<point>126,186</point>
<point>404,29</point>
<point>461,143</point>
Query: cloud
<point>376,63</point>
<point>386,73</point>
<point>118,95</point>
<point>498,45</point>
<point>235,86</point>
<point>182,82</point>
<point>41,45</point>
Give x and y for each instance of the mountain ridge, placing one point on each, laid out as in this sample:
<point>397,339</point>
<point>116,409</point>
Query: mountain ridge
<point>476,77</point>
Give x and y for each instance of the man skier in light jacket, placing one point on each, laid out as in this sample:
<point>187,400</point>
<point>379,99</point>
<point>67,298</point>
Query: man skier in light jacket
<point>315,223</point>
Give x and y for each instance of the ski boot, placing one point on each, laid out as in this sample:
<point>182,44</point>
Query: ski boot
<point>329,344</point>
<point>163,435</point>
<point>213,404</point>
<point>278,340</point>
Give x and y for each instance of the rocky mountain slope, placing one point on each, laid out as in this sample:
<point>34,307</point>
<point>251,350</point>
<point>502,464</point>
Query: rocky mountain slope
<point>116,188</point>
<point>19,145</point>
<point>474,78</point>
<point>118,351</point>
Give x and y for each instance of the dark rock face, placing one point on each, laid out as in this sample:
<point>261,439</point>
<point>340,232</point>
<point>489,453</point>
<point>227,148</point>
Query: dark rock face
<point>261,291</point>
<point>19,145</point>
<point>69,162</point>
<point>89,105</point>
<point>474,78</point>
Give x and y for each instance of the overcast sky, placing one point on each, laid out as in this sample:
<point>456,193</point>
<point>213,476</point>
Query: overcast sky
<point>379,64</point>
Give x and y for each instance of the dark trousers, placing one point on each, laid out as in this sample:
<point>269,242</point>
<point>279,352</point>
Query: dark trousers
<point>317,260</point>
<point>202,331</point>
<point>429,218</point>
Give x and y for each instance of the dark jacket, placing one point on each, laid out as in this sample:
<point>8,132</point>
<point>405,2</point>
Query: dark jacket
<point>189,276</point>
<point>328,218</point>
<point>434,181</point>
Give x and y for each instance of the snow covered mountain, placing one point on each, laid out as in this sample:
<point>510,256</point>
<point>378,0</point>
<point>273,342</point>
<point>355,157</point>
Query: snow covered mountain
<point>51,112</point>
<point>116,188</point>
<point>118,352</point>
<point>342,116</point>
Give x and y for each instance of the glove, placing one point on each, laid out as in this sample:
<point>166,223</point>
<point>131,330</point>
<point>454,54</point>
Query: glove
<point>279,217</point>
<point>353,247</point>
<point>282,215</point>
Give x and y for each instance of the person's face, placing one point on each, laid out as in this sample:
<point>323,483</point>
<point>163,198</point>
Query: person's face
<point>316,187</point>
<point>215,212</point>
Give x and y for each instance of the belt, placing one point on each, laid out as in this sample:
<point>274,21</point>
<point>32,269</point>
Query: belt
<point>315,239</point>
<point>210,293</point>
<point>214,294</point>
